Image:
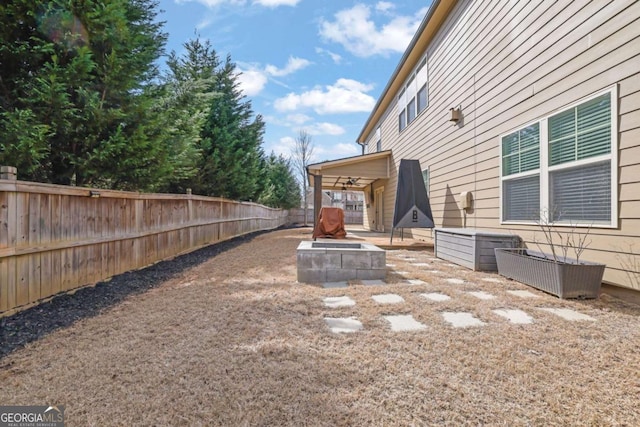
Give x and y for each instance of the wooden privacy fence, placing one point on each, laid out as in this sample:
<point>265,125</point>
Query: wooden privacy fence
<point>55,238</point>
<point>296,216</point>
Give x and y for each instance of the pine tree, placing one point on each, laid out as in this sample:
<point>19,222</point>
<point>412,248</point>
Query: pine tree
<point>231,142</point>
<point>280,185</point>
<point>78,74</point>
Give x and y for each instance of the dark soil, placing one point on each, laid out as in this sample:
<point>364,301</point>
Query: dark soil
<point>63,310</point>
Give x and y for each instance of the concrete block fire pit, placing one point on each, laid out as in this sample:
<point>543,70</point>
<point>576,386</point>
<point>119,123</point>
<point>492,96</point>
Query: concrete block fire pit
<point>322,261</point>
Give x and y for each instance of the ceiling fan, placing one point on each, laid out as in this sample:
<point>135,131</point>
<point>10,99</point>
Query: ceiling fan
<point>349,183</point>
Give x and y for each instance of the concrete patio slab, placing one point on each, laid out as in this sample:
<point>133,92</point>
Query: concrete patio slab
<point>404,322</point>
<point>387,298</point>
<point>436,296</point>
<point>461,319</point>
<point>523,294</point>
<point>337,302</point>
<point>482,295</point>
<point>568,314</point>
<point>416,282</point>
<point>346,325</point>
<point>515,316</point>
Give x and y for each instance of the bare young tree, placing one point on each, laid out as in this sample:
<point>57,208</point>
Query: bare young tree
<point>301,156</point>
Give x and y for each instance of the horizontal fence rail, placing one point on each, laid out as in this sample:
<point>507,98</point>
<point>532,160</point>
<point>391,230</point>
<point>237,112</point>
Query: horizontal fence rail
<point>56,239</point>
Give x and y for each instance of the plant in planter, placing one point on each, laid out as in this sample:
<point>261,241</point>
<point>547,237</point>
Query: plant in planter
<point>555,273</point>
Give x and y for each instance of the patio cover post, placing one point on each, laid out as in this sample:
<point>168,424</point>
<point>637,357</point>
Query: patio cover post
<point>317,199</point>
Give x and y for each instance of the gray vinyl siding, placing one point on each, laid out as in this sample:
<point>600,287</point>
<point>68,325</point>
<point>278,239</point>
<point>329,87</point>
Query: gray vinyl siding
<point>507,64</point>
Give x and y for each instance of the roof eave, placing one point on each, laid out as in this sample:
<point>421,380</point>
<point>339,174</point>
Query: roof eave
<point>435,16</point>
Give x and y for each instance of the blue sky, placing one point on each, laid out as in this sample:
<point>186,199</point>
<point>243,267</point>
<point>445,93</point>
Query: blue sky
<point>310,65</point>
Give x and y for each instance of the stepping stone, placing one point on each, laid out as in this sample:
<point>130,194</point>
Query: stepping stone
<point>387,299</point>
<point>461,319</point>
<point>452,265</point>
<point>410,259</point>
<point>455,281</point>
<point>343,324</point>
<point>416,282</point>
<point>332,285</point>
<point>402,273</point>
<point>523,294</point>
<point>404,322</point>
<point>420,264</point>
<point>515,316</point>
<point>435,271</point>
<point>492,280</point>
<point>391,265</point>
<point>482,295</point>
<point>376,282</point>
<point>435,296</point>
<point>335,302</point>
<point>568,314</point>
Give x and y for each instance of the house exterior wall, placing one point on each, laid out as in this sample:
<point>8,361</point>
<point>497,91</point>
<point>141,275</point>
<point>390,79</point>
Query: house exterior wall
<point>507,64</point>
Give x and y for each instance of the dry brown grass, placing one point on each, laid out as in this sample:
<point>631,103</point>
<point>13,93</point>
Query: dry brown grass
<point>235,341</point>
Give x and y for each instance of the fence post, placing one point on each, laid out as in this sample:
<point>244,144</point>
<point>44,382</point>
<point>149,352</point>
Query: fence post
<point>8,172</point>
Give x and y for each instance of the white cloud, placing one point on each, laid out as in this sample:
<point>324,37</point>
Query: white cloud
<point>252,81</point>
<point>345,96</point>
<point>337,151</point>
<point>283,147</point>
<point>357,32</point>
<point>324,128</point>
<point>276,3</point>
<point>293,64</point>
<point>298,119</point>
<point>385,6</point>
<point>266,3</point>
<point>334,56</point>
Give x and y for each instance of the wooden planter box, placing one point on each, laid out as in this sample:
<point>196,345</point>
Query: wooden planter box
<point>565,280</point>
<point>472,248</point>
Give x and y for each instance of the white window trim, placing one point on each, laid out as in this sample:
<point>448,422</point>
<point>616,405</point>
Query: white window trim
<point>544,170</point>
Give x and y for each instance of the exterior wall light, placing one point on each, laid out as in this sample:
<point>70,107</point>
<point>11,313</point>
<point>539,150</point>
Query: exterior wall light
<point>455,114</point>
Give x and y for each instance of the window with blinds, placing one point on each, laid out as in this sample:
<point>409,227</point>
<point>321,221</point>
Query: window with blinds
<point>567,170</point>
<point>520,166</point>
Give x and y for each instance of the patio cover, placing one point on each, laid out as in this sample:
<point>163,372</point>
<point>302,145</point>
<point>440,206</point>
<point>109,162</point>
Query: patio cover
<point>352,173</point>
<point>412,208</point>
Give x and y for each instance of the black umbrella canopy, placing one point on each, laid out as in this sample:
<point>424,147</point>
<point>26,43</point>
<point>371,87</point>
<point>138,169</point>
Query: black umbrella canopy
<point>412,208</point>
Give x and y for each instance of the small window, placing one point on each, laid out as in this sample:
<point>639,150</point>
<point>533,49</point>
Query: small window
<point>402,120</point>
<point>411,110</point>
<point>379,146</point>
<point>422,99</point>
<point>425,178</point>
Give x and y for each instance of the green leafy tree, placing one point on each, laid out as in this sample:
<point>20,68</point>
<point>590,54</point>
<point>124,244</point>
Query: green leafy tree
<point>280,185</point>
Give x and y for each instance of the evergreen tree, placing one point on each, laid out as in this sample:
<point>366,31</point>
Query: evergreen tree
<point>187,92</point>
<point>231,142</point>
<point>77,75</point>
<point>280,186</point>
